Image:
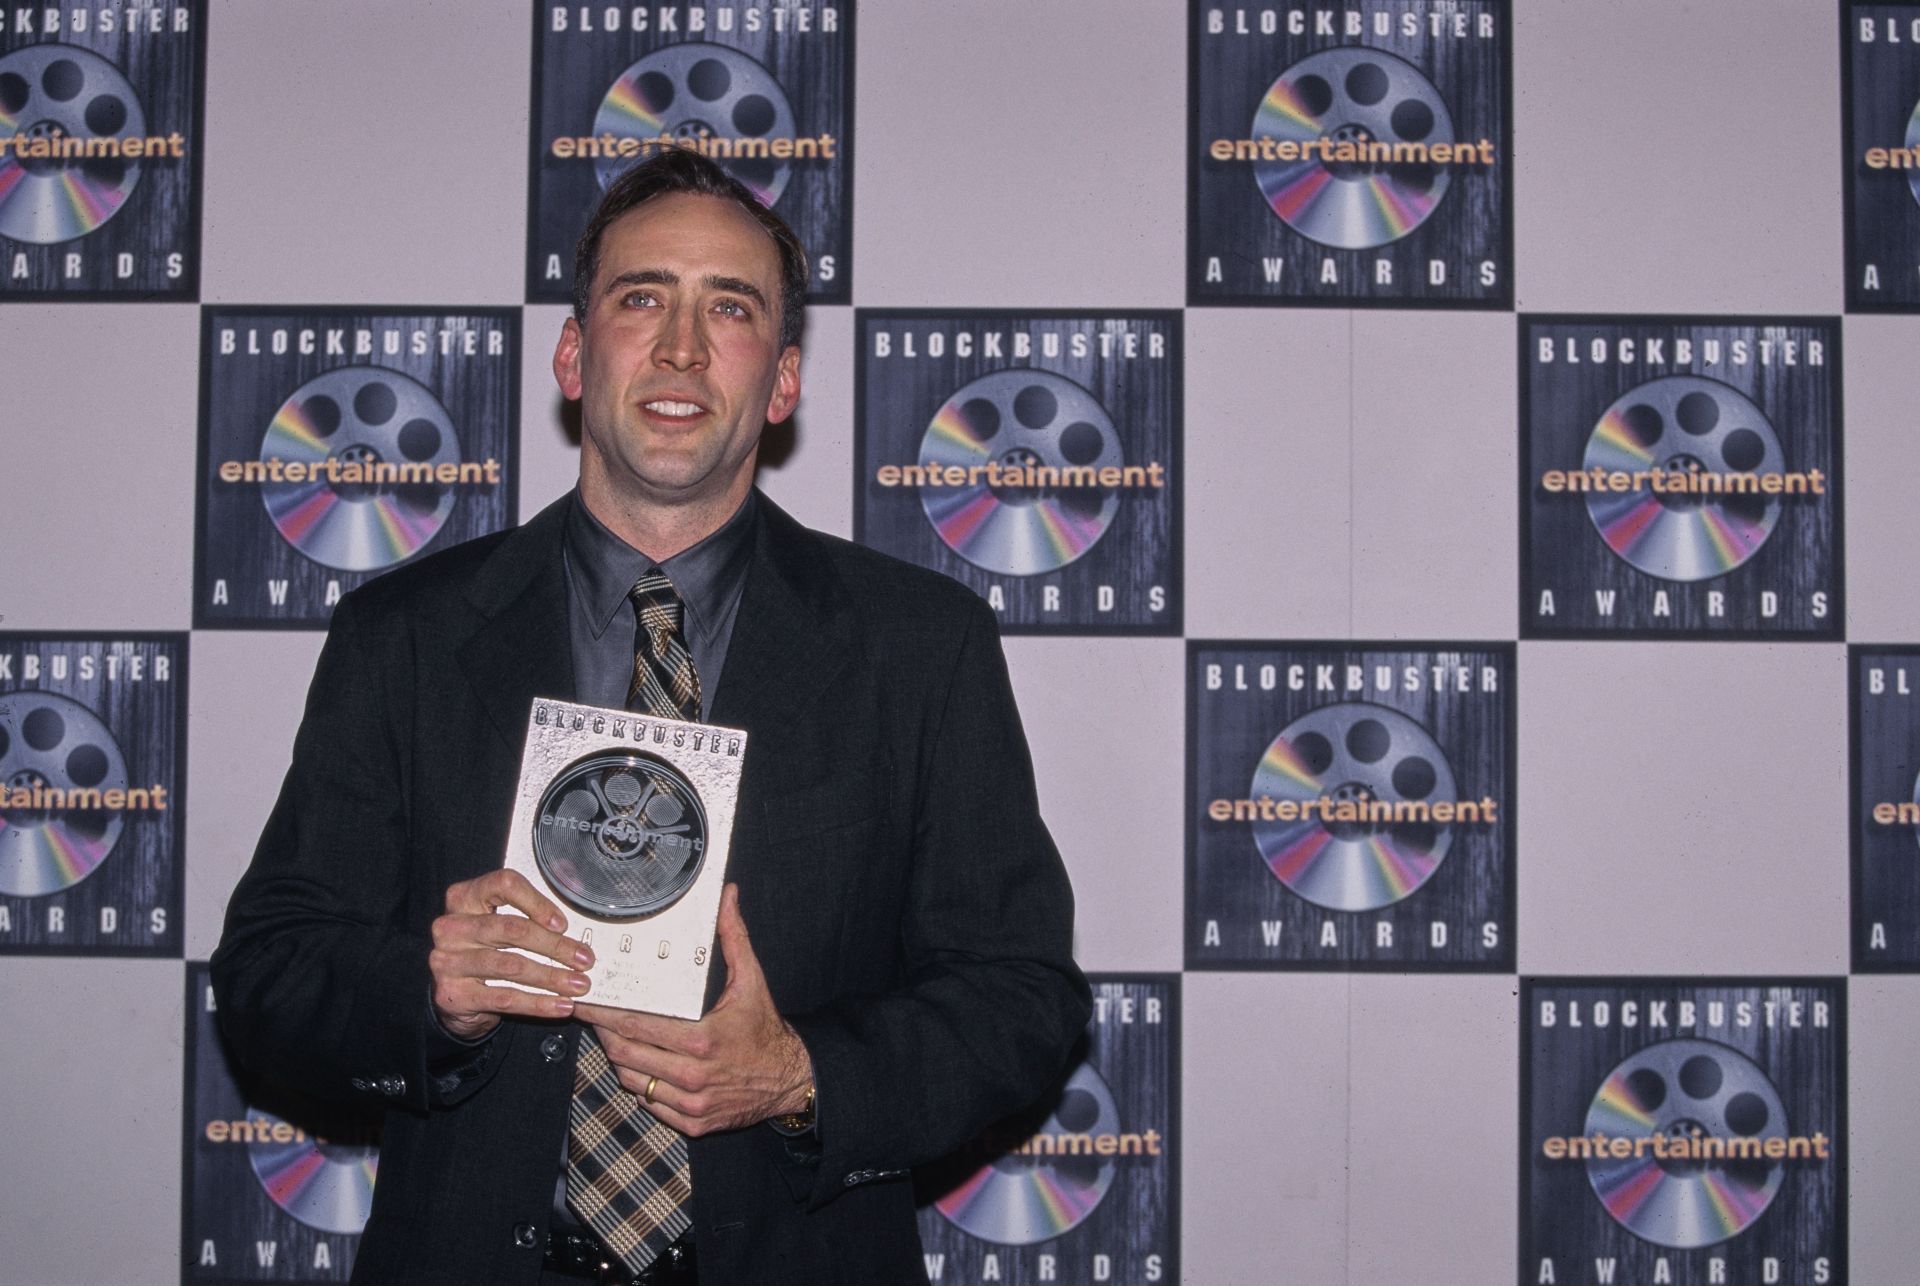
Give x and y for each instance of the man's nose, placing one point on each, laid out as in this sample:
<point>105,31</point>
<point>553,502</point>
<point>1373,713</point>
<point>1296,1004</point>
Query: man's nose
<point>682,340</point>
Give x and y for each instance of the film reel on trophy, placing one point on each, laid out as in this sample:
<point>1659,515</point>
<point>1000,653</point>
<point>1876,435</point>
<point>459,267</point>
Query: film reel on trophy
<point>700,90</point>
<point>326,1185</point>
<point>375,418</point>
<point>52,742</point>
<point>1022,420</point>
<point>1023,1197</point>
<point>1685,1088</point>
<point>1357,95</point>
<point>1360,752</point>
<point>55,92</point>
<point>620,834</point>
<point>1691,424</point>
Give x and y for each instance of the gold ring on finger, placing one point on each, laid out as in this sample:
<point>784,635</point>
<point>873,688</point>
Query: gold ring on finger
<point>647,1098</point>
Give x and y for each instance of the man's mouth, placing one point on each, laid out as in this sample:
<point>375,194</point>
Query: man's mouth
<point>671,407</point>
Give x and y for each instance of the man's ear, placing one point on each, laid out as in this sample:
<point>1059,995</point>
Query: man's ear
<point>786,386</point>
<point>566,360</point>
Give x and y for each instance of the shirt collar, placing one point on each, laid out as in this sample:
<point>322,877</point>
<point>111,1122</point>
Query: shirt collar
<point>603,567</point>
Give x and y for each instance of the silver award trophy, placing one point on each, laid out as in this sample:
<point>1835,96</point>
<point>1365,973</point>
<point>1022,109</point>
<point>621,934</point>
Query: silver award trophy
<point>624,820</point>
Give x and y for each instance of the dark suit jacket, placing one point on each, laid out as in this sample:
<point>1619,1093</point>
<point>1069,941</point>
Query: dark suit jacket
<point>904,898</point>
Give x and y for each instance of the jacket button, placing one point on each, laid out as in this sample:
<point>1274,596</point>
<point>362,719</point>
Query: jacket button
<point>524,1235</point>
<point>553,1048</point>
<point>393,1086</point>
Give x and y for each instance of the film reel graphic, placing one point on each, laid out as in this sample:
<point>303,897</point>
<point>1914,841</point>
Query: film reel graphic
<point>54,742</point>
<point>55,91</point>
<point>1018,1199</point>
<point>1020,419</point>
<point>1685,423</point>
<point>370,416</point>
<point>699,90</point>
<point>1682,1088</point>
<point>1356,751</point>
<point>620,834</point>
<point>326,1186</point>
<point>1356,95</point>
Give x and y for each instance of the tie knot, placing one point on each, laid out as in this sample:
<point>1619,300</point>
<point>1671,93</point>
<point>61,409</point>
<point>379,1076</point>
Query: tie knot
<point>657,606</point>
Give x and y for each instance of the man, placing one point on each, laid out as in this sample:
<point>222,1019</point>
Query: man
<point>907,978</point>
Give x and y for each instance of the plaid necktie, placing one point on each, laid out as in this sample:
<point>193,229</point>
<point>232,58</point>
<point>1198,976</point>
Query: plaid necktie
<point>627,1175</point>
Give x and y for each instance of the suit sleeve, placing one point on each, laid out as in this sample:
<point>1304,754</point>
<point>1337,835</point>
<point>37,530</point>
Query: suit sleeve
<point>319,980</point>
<point>991,1002</point>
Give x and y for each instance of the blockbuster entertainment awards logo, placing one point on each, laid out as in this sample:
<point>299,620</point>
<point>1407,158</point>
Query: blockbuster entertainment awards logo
<point>1083,1186</point>
<point>1350,806</point>
<point>1880,102</point>
<point>1350,155</point>
<point>277,1189</point>
<point>1884,719</point>
<point>337,443</point>
<point>93,735</point>
<point>1688,1131</point>
<point>100,126</point>
<point>1033,456</point>
<point>1680,478</point>
<point>764,87</point>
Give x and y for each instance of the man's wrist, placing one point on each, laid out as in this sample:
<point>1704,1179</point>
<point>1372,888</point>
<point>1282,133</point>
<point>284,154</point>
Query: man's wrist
<point>794,1124</point>
<point>799,1116</point>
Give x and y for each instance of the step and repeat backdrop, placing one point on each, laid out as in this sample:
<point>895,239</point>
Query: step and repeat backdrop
<point>1443,469</point>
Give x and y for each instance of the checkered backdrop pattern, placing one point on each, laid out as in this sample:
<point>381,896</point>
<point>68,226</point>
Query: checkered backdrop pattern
<point>1347,474</point>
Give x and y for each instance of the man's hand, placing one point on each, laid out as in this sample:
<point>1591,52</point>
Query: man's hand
<point>469,947</point>
<point>737,1066</point>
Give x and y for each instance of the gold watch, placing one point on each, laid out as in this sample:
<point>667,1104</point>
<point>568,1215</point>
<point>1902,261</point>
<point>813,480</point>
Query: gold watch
<point>800,1122</point>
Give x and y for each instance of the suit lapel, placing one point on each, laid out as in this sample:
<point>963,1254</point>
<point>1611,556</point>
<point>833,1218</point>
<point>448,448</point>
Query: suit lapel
<point>793,633</point>
<point>521,649</point>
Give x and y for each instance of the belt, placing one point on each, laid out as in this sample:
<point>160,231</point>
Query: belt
<point>577,1255</point>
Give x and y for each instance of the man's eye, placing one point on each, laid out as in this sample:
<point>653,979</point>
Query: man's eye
<point>732,307</point>
<point>641,299</point>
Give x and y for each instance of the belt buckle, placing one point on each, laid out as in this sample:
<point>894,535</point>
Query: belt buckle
<point>675,1266</point>
<point>578,1256</point>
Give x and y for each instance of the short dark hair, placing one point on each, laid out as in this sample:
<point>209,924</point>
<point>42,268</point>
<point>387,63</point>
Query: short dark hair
<point>681,170</point>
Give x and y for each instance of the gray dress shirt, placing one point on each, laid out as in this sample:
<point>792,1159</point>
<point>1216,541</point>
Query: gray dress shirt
<point>602,568</point>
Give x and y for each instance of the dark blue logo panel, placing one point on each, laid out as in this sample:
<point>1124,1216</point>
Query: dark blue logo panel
<point>93,734</point>
<point>100,128</point>
<point>765,89</point>
<point>339,443</point>
<point>1351,157</point>
<point>275,1188</point>
<point>1350,806</point>
<point>1084,1186</point>
<point>1683,1130</point>
<point>1032,456</point>
<point>1680,478</point>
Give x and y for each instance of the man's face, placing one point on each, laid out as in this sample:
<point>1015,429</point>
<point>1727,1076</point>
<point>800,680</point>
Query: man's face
<point>679,366</point>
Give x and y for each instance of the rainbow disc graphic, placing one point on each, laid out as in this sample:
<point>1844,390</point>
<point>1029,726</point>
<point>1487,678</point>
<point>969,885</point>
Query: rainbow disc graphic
<point>325,1185</point>
<point>61,92</point>
<point>1913,140</point>
<point>1361,96</point>
<point>1052,433</point>
<point>384,422</point>
<point>1696,425</point>
<point>1359,752</point>
<point>51,742</point>
<point>1682,1088</point>
<point>1023,1197</point>
<point>1916,800</point>
<point>701,91</point>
